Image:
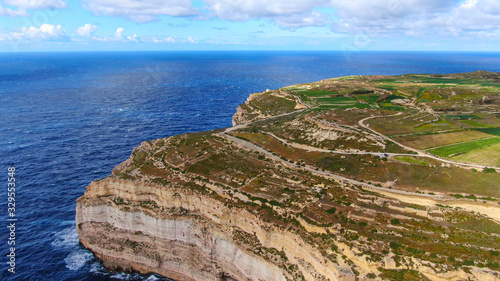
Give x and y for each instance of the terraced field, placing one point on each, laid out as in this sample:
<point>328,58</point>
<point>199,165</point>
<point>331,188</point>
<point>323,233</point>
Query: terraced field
<point>465,147</point>
<point>487,156</point>
<point>446,115</point>
<point>435,140</point>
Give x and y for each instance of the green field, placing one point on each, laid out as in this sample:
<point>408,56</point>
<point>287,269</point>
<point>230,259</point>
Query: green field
<point>488,156</point>
<point>336,100</point>
<point>411,160</point>
<point>429,141</point>
<point>491,131</point>
<point>367,98</point>
<point>475,124</point>
<point>390,106</point>
<point>462,148</point>
<point>319,93</point>
<point>461,116</point>
<point>347,105</point>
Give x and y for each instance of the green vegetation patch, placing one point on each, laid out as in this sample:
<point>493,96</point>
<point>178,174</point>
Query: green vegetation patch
<point>343,106</point>
<point>402,274</point>
<point>388,87</point>
<point>440,80</point>
<point>411,160</point>
<point>461,148</point>
<point>371,99</point>
<point>390,106</point>
<point>393,97</point>
<point>461,116</point>
<point>475,124</point>
<point>491,131</point>
<point>319,93</point>
<point>488,156</point>
<point>273,105</point>
<point>336,100</point>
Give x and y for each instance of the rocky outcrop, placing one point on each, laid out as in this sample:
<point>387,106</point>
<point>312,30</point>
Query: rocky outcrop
<point>189,236</point>
<point>266,104</point>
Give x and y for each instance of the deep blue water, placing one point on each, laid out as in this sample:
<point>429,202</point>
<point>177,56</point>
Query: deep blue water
<point>68,118</point>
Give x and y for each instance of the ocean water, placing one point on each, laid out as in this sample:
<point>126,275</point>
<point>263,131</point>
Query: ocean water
<point>69,118</point>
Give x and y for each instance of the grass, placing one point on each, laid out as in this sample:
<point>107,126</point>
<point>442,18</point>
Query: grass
<point>411,160</point>
<point>439,80</point>
<point>336,100</point>
<point>488,156</point>
<point>461,116</point>
<point>344,106</point>
<point>491,131</point>
<point>319,93</point>
<point>371,99</point>
<point>475,124</point>
<point>462,148</point>
<point>390,106</point>
<point>420,92</point>
<point>434,140</point>
<point>402,274</point>
<point>388,87</point>
<point>440,124</point>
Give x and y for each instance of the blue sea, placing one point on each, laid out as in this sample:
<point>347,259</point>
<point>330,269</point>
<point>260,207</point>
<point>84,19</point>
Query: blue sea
<point>67,119</point>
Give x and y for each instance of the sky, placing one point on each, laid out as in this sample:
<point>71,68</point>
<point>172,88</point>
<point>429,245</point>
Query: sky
<point>353,25</point>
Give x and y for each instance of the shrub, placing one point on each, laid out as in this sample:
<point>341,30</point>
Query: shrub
<point>395,221</point>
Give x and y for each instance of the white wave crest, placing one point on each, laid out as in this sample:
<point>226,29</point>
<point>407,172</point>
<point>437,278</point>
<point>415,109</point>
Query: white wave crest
<point>77,259</point>
<point>65,238</point>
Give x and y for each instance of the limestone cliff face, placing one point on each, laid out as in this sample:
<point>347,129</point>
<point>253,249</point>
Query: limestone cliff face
<point>188,236</point>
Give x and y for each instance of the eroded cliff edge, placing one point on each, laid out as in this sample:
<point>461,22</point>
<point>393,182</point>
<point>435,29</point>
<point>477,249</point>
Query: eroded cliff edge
<point>295,194</point>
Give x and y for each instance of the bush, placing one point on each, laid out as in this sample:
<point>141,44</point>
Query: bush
<point>331,210</point>
<point>394,245</point>
<point>395,221</point>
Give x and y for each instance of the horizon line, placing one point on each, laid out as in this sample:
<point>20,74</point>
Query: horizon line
<point>250,50</point>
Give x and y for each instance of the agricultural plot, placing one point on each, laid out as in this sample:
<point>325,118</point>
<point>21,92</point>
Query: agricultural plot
<point>466,126</point>
<point>461,116</point>
<point>337,101</point>
<point>435,140</point>
<point>475,124</point>
<point>491,131</point>
<point>319,93</point>
<point>411,160</point>
<point>370,99</point>
<point>488,156</point>
<point>462,148</point>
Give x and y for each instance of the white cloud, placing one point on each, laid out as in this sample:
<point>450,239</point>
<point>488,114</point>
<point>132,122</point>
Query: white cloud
<point>415,17</point>
<point>301,20</point>
<point>36,4</point>
<point>86,30</point>
<point>46,32</point>
<point>133,38</point>
<point>285,13</point>
<point>119,33</point>
<point>189,39</point>
<point>118,36</point>
<point>23,5</point>
<point>12,13</point>
<point>141,10</point>
<point>163,40</point>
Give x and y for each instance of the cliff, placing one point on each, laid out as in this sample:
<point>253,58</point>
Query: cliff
<point>291,193</point>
